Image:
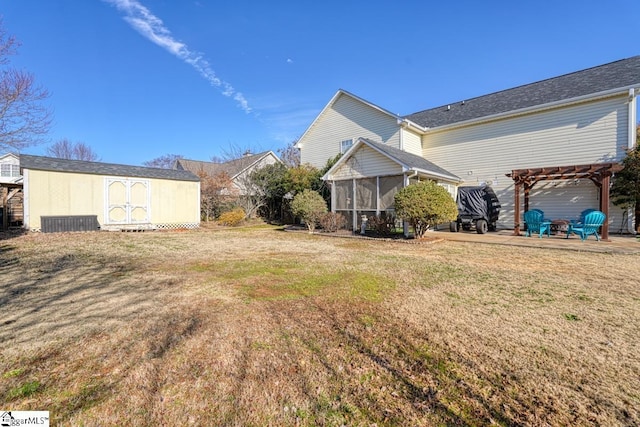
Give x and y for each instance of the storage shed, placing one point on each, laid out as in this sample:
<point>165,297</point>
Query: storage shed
<point>75,195</point>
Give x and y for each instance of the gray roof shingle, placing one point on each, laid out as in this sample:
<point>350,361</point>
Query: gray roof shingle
<point>412,161</point>
<point>231,168</point>
<point>619,74</point>
<point>98,168</point>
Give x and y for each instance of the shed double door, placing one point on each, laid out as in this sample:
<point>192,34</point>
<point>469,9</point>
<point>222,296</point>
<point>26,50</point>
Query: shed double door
<point>127,201</point>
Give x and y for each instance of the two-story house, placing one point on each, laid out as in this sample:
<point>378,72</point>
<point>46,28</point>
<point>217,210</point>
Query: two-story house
<point>549,145</point>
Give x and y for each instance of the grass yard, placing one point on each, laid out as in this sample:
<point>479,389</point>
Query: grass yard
<point>255,327</point>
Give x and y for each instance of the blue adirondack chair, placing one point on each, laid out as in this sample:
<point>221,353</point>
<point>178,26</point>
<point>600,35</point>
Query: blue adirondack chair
<point>583,214</point>
<point>591,223</point>
<point>536,223</point>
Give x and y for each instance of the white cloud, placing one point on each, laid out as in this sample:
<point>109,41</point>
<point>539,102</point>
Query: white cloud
<point>153,29</point>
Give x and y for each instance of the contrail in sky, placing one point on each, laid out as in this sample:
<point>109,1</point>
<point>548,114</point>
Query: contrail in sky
<point>152,28</point>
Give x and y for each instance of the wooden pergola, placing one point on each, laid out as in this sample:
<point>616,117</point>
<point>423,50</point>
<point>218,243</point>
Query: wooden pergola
<point>599,173</point>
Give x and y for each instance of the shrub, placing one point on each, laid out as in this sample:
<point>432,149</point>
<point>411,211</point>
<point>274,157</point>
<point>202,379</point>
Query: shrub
<point>310,206</point>
<point>333,222</point>
<point>232,218</point>
<point>425,204</point>
<point>382,224</point>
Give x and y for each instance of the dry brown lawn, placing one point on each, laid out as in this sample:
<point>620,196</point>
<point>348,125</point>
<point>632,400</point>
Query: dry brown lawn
<point>254,327</point>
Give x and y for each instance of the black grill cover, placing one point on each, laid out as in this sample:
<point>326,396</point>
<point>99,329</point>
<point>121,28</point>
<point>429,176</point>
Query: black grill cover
<point>478,202</point>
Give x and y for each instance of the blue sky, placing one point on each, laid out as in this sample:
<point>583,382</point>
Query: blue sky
<point>136,79</point>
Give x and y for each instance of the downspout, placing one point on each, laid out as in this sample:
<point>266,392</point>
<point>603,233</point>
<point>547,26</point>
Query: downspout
<point>408,177</point>
<point>631,143</point>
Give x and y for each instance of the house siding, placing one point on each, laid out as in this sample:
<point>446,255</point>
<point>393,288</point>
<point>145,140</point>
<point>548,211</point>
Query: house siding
<point>411,142</point>
<point>9,164</point>
<point>366,162</point>
<point>63,193</point>
<point>241,180</point>
<point>346,118</point>
<point>580,134</point>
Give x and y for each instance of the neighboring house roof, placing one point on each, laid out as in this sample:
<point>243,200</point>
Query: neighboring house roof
<point>623,74</point>
<point>409,162</point>
<point>232,168</point>
<point>98,168</point>
<point>8,157</point>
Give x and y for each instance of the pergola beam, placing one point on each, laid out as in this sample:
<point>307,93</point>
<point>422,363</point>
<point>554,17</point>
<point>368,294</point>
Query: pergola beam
<point>599,173</point>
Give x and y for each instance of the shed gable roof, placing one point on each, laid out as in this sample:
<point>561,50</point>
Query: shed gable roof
<point>99,168</point>
<point>620,74</point>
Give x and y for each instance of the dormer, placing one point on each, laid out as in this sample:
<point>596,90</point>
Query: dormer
<point>10,168</point>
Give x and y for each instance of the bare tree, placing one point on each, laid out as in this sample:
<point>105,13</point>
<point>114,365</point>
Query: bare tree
<point>163,162</point>
<point>290,155</point>
<point>65,149</point>
<point>242,163</point>
<point>24,119</point>
<point>234,152</point>
<point>217,194</point>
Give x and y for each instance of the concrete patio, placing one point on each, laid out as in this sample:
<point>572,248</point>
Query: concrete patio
<point>618,244</point>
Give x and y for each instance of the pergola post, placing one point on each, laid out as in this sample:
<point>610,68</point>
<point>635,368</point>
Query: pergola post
<point>604,204</point>
<point>516,210</point>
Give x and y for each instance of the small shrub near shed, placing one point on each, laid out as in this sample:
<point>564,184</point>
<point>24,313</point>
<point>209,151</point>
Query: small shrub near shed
<point>232,218</point>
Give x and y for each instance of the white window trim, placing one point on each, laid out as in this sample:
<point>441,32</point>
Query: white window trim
<point>13,170</point>
<point>342,143</point>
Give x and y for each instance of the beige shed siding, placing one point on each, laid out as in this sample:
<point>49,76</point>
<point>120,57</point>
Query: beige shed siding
<point>175,202</point>
<point>367,162</point>
<point>347,118</point>
<point>411,142</point>
<point>57,193</point>
<point>578,134</point>
<point>65,193</point>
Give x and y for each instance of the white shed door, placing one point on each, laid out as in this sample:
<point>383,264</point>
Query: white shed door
<point>127,201</point>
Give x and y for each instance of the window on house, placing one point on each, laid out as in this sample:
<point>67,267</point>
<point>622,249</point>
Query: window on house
<point>8,170</point>
<point>452,189</point>
<point>345,145</point>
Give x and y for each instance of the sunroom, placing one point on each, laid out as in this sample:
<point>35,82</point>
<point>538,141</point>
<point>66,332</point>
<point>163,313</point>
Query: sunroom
<point>366,178</point>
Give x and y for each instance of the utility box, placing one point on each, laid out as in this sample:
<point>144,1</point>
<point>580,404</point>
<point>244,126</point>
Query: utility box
<point>58,224</point>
